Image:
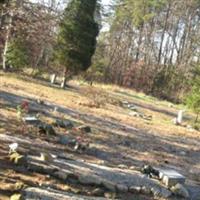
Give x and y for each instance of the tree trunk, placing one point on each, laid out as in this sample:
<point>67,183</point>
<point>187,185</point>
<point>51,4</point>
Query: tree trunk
<point>163,34</point>
<point>4,54</point>
<point>139,44</point>
<point>7,35</point>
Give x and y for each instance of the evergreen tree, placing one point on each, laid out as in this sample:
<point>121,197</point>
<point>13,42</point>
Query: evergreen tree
<point>77,36</point>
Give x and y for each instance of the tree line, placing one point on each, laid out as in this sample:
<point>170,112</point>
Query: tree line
<point>152,46</point>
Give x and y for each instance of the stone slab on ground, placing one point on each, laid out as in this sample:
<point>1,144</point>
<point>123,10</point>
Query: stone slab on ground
<point>50,194</point>
<point>113,179</point>
<point>86,172</point>
<point>170,177</point>
<point>31,120</point>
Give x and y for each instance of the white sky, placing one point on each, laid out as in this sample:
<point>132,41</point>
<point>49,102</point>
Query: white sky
<point>105,2</point>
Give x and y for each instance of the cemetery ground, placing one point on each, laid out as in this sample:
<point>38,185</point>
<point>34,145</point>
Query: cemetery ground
<point>128,130</point>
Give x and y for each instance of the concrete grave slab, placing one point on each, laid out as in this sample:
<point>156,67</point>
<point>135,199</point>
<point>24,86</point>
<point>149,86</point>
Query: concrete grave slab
<point>31,120</point>
<point>171,177</point>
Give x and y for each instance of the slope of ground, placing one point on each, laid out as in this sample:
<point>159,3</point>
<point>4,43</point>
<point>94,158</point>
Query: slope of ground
<point>118,135</point>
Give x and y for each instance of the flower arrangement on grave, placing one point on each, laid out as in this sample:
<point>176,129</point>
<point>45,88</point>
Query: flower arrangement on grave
<point>23,108</point>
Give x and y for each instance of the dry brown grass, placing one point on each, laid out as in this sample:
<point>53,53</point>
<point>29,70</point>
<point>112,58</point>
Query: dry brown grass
<point>151,145</point>
<point>100,100</point>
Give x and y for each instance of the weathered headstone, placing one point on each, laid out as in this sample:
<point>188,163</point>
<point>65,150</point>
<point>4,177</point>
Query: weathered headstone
<point>31,120</point>
<point>63,83</point>
<point>170,177</point>
<point>53,78</point>
<point>180,117</point>
<point>178,120</point>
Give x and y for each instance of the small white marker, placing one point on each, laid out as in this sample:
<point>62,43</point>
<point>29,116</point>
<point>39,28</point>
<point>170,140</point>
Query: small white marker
<point>13,147</point>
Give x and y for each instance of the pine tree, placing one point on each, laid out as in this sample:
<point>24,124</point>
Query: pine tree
<point>77,37</point>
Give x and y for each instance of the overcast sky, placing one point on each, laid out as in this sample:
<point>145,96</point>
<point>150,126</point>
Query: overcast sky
<point>105,2</point>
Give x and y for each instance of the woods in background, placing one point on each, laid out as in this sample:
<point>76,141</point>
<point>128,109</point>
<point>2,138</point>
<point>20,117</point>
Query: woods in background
<point>152,46</point>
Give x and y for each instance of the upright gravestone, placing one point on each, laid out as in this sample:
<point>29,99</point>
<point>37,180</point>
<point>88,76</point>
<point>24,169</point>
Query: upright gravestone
<point>53,78</point>
<point>178,120</point>
<point>180,117</point>
<point>63,83</point>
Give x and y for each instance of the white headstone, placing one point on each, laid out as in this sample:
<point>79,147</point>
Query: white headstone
<point>53,78</point>
<point>180,117</point>
<point>63,82</point>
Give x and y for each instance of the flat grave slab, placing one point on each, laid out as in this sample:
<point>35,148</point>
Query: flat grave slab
<point>31,120</point>
<point>170,177</point>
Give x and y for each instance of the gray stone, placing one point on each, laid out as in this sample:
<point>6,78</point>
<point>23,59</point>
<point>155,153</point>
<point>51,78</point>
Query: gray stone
<point>97,192</point>
<point>63,82</point>
<point>125,102</point>
<point>61,175</point>
<point>110,195</point>
<point>134,108</point>
<point>165,193</point>
<point>122,188</point>
<point>64,123</point>
<point>52,194</point>
<point>122,166</point>
<point>170,177</point>
<point>161,192</point>
<point>109,185</point>
<point>66,140</point>
<point>180,190</point>
<point>156,191</point>
<point>40,167</point>
<point>182,153</point>
<point>134,114</point>
<point>89,180</point>
<point>145,190</point>
<point>135,189</point>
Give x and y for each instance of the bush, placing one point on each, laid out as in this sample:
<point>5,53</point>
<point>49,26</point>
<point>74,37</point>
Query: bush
<point>17,54</point>
<point>193,99</point>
